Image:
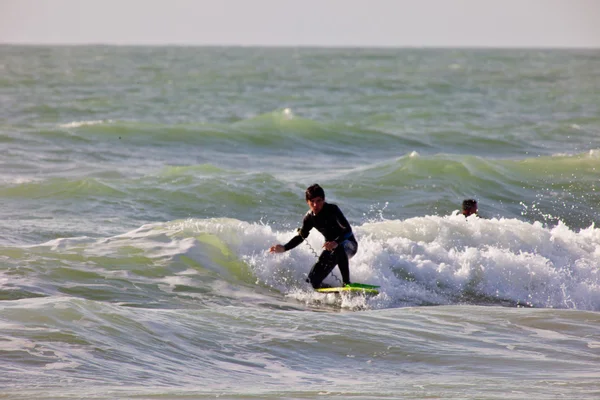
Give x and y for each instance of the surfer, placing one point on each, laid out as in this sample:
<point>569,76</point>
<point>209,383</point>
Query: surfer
<point>469,207</point>
<point>340,244</point>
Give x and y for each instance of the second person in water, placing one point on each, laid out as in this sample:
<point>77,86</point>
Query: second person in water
<point>469,207</point>
<point>340,243</point>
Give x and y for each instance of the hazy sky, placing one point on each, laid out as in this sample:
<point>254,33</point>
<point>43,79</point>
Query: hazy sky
<point>398,23</point>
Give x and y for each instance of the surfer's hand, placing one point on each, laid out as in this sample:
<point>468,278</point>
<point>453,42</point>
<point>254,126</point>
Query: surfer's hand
<point>330,246</point>
<point>278,248</point>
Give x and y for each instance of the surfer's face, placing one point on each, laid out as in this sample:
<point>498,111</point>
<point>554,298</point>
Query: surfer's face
<point>315,204</point>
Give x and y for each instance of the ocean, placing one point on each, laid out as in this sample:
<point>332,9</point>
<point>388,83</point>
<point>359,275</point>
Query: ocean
<point>141,188</point>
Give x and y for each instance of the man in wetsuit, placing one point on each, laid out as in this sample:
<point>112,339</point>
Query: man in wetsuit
<point>340,244</point>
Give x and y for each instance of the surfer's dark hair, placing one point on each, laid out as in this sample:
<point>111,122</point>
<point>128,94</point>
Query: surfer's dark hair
<point>314,191</point>
<point>469,204</point>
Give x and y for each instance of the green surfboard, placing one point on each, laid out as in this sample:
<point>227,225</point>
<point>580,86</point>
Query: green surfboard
<point>357,288</point>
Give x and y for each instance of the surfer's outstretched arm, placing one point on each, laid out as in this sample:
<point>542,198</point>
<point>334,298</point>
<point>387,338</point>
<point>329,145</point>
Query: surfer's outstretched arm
<point>280,248</point>
<point>303,232</point>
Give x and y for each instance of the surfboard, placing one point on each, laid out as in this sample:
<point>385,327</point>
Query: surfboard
<point>358,288</point>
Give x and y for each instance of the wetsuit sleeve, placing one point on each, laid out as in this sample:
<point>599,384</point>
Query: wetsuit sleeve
<point>344,224</point>
<point>307,225</point>
<point>295,241</point>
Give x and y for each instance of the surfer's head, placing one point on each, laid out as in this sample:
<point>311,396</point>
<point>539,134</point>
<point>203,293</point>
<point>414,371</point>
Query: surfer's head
<point>315,198</point>
<point>314,191</point>
<point>469,207</point>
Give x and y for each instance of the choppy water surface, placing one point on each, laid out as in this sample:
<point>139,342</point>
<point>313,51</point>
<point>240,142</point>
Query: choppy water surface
<point>141,186</point>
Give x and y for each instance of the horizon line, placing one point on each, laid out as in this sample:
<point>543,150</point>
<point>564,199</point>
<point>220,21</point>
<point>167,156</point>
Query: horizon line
<point>304,46</point>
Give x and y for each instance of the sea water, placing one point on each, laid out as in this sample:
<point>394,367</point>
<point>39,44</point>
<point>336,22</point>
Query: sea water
<point>142,186</point>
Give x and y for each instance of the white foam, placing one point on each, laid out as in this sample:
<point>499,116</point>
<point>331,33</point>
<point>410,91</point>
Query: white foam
<point>424,260</point>
<point>445,259</point>
<point>19,180</point>
<point>287,113</point>
<point>78,124</point>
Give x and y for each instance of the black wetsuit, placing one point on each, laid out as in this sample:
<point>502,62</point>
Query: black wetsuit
<point>334,227</point>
